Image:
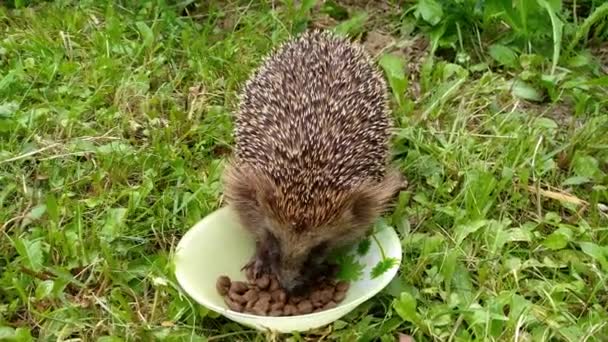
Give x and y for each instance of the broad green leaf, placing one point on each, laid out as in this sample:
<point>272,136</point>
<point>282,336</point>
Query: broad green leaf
<point>8,80</point>
<point>115,147</point>
<point>461,231</point>
<point>498,237</point>
<point>598,253</point>
<point>51,208</point>
<point>545,123</point>
<point>579,60</point>
<point>146,33</point>
<point>406,307</point>
<point>462,283</point>
<point>558,239</point>
<point>397,286</point>
<point>8,109</point>
<point>503,55</point>
<point>44,289</point>
<point>31,253</point>
<point>430,10</point>
<point>571,333</point>
<point>307,5</point>
<point>34,214</point>
<point>448,267</point>
<point>7,333</point>
<point>351,26</point>
<point>519,306</point>
<point>114,223</point>
<point>585,166</point>
<point>525,91</point>
<point>512,264</point>
<point>23,335</point>
<point>576,180</point>
<point>334,10</point>
<point>518,234</point>
<point>394,68</point>
<point>109,339</point>
<point>552,217</point>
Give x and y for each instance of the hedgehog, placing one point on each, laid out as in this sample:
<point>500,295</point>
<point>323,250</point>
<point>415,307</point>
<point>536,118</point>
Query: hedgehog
<point>310,170</point>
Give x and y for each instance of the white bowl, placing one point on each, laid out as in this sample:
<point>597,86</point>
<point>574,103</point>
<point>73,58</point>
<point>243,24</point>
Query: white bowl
<point>218,245</point>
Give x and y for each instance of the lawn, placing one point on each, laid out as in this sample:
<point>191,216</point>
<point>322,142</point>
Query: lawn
<point>116,119</point>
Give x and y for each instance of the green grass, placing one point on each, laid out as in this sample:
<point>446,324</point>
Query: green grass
<point>115,120</point>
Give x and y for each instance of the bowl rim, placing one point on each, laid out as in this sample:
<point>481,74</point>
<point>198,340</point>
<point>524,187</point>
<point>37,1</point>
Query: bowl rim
<point>222,310</point>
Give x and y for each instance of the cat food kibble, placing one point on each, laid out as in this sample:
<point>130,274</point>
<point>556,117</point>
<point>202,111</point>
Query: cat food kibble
<point>223,285</point>
<point>305,307</point>
<point>265,297</point>
<point>238,287</point>
<point>233,305</point>
<point>251,295</point>
<point>263,282</point>
<point>290,310</point>
<point>342,286</point>
<point>339,296</point>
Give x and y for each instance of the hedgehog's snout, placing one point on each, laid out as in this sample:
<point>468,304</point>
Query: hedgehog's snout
<point>298,279</point>
<point>294,277</point>
<point>292,280</point>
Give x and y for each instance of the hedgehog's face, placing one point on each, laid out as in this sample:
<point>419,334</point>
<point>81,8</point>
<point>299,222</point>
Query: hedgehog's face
<point>288,246</point>
<point>295,265</point>
<point>296,255</point>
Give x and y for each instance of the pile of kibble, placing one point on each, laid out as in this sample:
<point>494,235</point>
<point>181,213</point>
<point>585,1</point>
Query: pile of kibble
<point>265,297</point>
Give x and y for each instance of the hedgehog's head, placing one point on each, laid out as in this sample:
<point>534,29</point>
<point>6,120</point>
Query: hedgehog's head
<point>295,233</point>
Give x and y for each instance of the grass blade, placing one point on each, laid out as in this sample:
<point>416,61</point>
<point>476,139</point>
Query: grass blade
<point>557,26</point>
<point>583,30</point>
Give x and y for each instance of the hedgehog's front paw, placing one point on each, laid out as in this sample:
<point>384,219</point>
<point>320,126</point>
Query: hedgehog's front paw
<point>256,267</point>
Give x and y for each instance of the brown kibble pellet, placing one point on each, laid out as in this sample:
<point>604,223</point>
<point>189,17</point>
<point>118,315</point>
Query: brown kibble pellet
<point>276,313</point>
<point>251,295</point>
<point>249,306</point>
<point>263,295</point>
<point>261,306</point>
<point>316,297</point>
<point>223,285</point>
<point>327,295</point>
<point>279,296</point>
<point>257,311</point>
<point>274,284</point>
<point>290,310</point>
<point>263,282</point>
<point>232,305</point>
<point>237,297</point>
<point>305,307</point>
<point>342,286</point>
<point>330,305</point>
<point>295,299</point>
<point>238,287</point>
<point>276,306</point>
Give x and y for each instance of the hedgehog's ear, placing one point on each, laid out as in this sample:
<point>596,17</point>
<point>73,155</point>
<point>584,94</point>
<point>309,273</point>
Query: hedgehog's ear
<point>372,199</point>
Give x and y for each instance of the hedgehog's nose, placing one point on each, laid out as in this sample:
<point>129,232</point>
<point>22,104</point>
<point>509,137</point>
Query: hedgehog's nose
<point>291,286</point>
<point>298,290</point>
<point>291,282</point>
